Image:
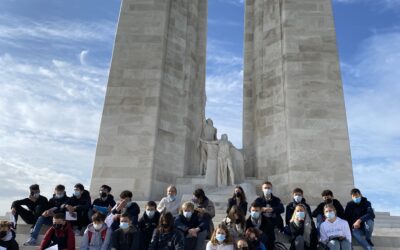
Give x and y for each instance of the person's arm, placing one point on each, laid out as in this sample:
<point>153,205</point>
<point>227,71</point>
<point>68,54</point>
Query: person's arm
<point>339,209</point>
<point>243,206</point>
<point>85,241</point>
<point>179,241</point>
<point>154,240</point>
<point>71,239</point>
<point>278,207</point>
<point>369,215</point>
<point>180,225</point>
<point>19,202</point>
<point>288,214</point>
<point>136,241</point>
<point>46,239</point>
<point>161,205</point>
<point>323,234</point>
<point>210,209</point>
<point>317,210</point>
<point>107,240</point>
<point>346,230</point>
<point>84,204</point>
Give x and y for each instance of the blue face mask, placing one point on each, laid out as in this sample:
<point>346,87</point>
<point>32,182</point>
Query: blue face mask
<point>357,200</point>
<point>300,215</point>
<point>255,215</point>
<point>171,197</point>
<point>59,196</point>
<point>220,237</point>
<point>123,225</point>
<point>77,193</point>
<point>330,215</point>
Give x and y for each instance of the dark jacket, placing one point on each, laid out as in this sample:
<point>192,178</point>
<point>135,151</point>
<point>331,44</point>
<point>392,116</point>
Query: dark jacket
<point>108,202</point>
<point>290,209</point>
<point>37,207</point>
<point>167,241</point>
<point>297,230</point>
<point>147,227</point>
<point>276,204</point>
<point>195,221</point>
<point>242,205</point>
<point>82,203</point>
<point>320,209</point>
<point>362,211</point>
<point>64,238</point>
<point>10,244</point>
<point>267,227</point>
<point>58,203</point>
<point>129,240</point>
<point>133,210</point>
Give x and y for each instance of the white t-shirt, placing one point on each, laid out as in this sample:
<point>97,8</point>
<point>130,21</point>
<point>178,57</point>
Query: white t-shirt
<point>210,246</point>
<point>169,206</point>
<point>338,228</point>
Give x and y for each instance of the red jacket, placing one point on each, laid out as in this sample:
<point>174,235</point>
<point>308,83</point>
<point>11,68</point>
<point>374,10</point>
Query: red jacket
<point>64,238</point>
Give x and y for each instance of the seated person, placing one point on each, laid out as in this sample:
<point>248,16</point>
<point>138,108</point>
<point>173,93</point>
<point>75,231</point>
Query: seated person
<point>238,199</point>
<point>327,196</point>
<point>166,236</point>
<point>127,236</point>
<point>148,223</point>
<point>271,206</point>
<point>297,199</point>
<point>302,230</point>
<point>59,234</point>
<point>35,203</point>
<point>7,236</point>
<point>105,202</point>
<point>205,208</point>
<point>56,205</point>
<point>79,205</point>
<point>335,232</point>
<point>235,222</point>
<point>97,235</point>
<point>262,224</point>
<point>241,244</point>
<point>253,238</point>
<point>193,227</point>
<point>125,205</point>
<point>360,216</point>
<point>170,203</point>
<point>221,239</point>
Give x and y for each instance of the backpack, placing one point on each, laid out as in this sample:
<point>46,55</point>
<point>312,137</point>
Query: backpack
<point>103,235</point>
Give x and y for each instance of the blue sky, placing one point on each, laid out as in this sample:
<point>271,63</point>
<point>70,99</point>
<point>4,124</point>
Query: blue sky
<point>54,61</point>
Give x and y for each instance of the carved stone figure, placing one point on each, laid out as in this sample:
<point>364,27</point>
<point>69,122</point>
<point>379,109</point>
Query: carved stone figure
<point>209,134</point>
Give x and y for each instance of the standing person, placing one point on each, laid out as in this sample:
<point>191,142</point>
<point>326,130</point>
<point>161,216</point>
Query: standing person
<point>35,203</point>
<point>298,198</point>
<point>221,239</point>
<point>148,223</point>
<point>7,236</point>
<point>125,205</point>
<point>170,203</point>
<point>79,204</point>
<point>262,224</point>
<point>193,227</point>
<point>205,208</point>
<point>59,234</point>
<point>56,205</point>
<point>272,206</point>
<point>360,215</point>
<point>105,202</point>
<point>235,222</point>
<point>97,235</point>
<point>166,236</point>
<point>127,236</point>
<point>335,232</point>
<point>238,199</point>
<point>302,229</point>
<point>327,196</point>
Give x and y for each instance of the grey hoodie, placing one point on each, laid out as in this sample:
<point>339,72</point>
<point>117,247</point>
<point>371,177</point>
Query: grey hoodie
<point>96,241</point>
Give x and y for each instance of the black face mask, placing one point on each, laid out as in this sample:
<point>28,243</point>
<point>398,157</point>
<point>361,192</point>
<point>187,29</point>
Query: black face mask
<point>165,226</point>
<point>3,234</point>
<point>103,194</point>
<point>238,194</point>
<point>328,201</point>
<point>58,226</point>
<point>253,243</point>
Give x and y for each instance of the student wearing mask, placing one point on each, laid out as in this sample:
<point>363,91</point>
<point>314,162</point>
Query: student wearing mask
<point>327,196</point>
<point>193,227</point>
<point>127,236</point>
<point>7,236</point>
<point>238,199</point>
<point>298,198</point>
<point>205,208</point>
<point>166,236</point>
<point>59,234</point>
<point>360,215</point>
<point>335,232</point>
<point>125,205</point>
<point>35,203</point>
<point>97,235</point>
<point>148,223</point>
<point>221,239</point>
<point>242,244</point>
<point>79,205</point>
<point>170,203</point>
<point>105,202</point>
<point>56,205</point>
<point>302,229</point>
<point>262,224</point>
<point>253,238</point>
<point>271,205</point>
<point>235,222</point>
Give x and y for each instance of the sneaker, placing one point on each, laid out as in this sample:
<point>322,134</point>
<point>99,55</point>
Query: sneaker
<point>370,242</point>
<point>30,242</point>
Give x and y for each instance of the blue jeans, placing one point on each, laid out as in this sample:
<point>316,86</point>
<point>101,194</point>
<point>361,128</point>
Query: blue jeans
<point>39,223</point>
<point>367,229</point>
<point>320,220</point>
<point>339,245</point>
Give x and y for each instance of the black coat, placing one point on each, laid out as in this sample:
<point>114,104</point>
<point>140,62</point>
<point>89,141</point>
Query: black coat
<point>290,210</point>
<point>147,227</point>
<point>296,230</point>
<point>242,205</point>
<point>108,202</point>
<point>37,207</point>
<point>129,240</point>
<point>58,203</point>
<point>195,221</point>
<point>167,241</point>
<point>362,211</point>
<point>276,204</point>
<point>320,209</point>
<point>82,203</point>
<point>267,227</point>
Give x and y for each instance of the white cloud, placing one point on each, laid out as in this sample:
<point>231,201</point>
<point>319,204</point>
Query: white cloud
<point>82,56</point>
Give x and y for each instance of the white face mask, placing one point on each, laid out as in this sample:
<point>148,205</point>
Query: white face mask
<point>298,198</point>
<point>267,191</point>
<point>97,226</point>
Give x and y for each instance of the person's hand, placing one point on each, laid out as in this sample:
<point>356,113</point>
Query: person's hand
<point>357,224</point>
<point>46,213</point>
<point>116,217</point>
<point>193,232</point>
<point>121,205</point>
<point>13,211</point>
<point>267,209</point>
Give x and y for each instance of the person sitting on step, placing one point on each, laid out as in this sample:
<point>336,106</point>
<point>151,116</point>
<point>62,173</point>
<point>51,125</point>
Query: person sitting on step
<point>262,224</point>
<point>327,196</point>
<point>221,239</point>
<point>238,199</point>
<point>205,208</point>
<point>166,236</point>
<point>7,236</point>
<point>105,202</point>
<point>298,198</point>
<point>127,236</point>
<point>125,205</point>
<point>79,205</point>
<point>335,232</point>
<point>148,223</point>
<point>170,203</point>
<point>235,222</point>
<point>302,229</point>
<point>60,234</point>
<point>97,235</point>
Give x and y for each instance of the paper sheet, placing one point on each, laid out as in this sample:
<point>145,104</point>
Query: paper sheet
<point>71,216</point>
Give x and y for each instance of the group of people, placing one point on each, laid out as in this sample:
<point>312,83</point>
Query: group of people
<point>188,225</point>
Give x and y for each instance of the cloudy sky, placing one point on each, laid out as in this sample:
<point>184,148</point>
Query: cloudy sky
<point>54,61</point>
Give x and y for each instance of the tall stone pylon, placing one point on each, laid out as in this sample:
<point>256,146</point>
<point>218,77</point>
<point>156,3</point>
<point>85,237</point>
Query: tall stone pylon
<point>154,106</point>
<point>295,129</point>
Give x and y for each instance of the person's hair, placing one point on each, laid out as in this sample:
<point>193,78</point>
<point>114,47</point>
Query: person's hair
<point>167,218</point>
<point>187,204</point>
<point>241,239</point>
<point>294,211</point>
<point>126,215</point>
<point>267,183</point>
<point>108,188</point>
<point>79,186</point>
<point>243,198</point>
<point>125,194</point>
<point>331,206</point>
<point>59,216</point>
<point>255,204</point>
<point>5,225</point>
<point>98,217</point>
<point>172,187</point>
<point>252,230</point>
<point>228,237</point>
<point>326,193</point>
<point>199,193</point>
<point>355,191</point>
<point>236,210</point>
<point>297,190</point>
<point>151,204</point>
<point>34,187</point>
<point>60,187</point>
